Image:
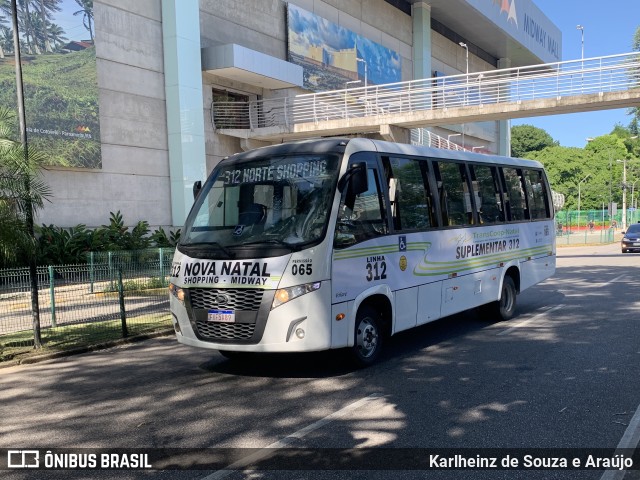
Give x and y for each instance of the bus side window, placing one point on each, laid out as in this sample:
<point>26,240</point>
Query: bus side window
<point>536,193</point>
<point>453,193</point>
<point>516,201</point>
<point>487,191</point>
<point>365,218</point>
<point>411,204</point>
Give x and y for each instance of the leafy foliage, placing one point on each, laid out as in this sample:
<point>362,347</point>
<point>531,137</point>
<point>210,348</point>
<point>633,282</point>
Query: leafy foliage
<point>22,191</point>
<point>592,176</point>
<point>527,138</point>
<point>57,245</point>
<point>160,238</point>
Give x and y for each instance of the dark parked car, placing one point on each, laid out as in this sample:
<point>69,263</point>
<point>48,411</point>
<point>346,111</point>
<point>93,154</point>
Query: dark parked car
<point>631,239</point>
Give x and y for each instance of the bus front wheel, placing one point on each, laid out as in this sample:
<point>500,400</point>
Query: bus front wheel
<point>368,337</point>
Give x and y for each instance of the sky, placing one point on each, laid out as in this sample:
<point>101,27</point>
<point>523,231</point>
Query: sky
<point>609,28</point>
<point>72,24</point>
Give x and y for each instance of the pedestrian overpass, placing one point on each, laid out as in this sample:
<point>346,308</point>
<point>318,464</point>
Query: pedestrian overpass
<point>555,88</point>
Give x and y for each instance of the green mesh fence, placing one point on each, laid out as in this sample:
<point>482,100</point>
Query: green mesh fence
<point>116,294</point>
<point>591,226</point>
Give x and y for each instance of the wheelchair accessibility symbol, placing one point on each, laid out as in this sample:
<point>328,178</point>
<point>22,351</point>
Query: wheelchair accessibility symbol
<point>402,243</point>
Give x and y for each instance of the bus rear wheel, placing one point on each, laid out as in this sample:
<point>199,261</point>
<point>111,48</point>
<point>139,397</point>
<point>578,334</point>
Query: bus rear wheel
<point>504,308</point>
<point>368,338</point>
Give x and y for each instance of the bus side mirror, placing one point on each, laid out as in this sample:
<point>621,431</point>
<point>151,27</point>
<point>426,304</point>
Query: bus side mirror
<point>357,179</point>
<point>197,186</point>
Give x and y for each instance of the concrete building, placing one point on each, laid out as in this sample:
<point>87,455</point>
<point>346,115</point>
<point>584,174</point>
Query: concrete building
<point>161,64</point>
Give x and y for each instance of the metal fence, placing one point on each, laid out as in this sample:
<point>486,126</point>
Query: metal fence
<point>575,227</point>
<point>585,236</point>
<point>115,295</point>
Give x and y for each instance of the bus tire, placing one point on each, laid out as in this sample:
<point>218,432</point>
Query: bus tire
<point>505,307</point>
<point>368,337</point>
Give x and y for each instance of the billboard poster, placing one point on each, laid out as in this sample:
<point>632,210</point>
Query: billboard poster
<point>58,58</point>
<point>332,55</point>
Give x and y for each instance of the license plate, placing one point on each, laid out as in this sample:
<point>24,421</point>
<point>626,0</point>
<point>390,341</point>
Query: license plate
<point>222,316</point>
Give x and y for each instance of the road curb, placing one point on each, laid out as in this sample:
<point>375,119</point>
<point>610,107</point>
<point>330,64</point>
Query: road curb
<point>86,349</point>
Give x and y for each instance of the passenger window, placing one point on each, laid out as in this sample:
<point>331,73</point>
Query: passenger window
<point>486,187</point>
<point>515,199</point>
<point>453,193</point>
<point>362,216</point>
<point>412,207</point>
<point>537,195</point>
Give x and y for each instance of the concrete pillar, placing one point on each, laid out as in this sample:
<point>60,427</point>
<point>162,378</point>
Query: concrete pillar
<point>391,133</point>
<point>504,126</point>
<point>421,17</point>
<point>251,144</point>
<point>185,113</point>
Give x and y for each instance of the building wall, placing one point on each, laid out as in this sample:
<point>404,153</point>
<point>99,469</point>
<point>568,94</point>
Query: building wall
<point>134,178</point>
<point>129,50</point>
<point>261,25</point>
<point>450,58</point>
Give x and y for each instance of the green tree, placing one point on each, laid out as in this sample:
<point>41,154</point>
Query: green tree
<point>527,138</point>
<point>635,111</point>
<point>605,151</point>
<point>6,35</point>
<point>21,188</point>
<point>566,167</point>
<point>87,14</point>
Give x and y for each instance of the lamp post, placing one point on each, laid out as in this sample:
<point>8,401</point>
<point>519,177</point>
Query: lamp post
<point>35,308</point>
<point>624,190</point>
<point>466,89</point>
<point>633,188</point>
<point>579,184</point>
<point>466,47</point>
<point>449,138</point>
<point>624,193</point>
<point>581,28</point>
<point>362,60</point>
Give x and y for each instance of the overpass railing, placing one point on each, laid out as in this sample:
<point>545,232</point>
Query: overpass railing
<point>552,80</point>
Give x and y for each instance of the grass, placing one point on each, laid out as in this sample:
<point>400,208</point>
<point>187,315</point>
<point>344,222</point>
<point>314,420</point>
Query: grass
<point>19,345</point>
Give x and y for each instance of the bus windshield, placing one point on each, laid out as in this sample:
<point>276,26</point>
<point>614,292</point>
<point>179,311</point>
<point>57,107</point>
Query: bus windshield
<point>264,204</point>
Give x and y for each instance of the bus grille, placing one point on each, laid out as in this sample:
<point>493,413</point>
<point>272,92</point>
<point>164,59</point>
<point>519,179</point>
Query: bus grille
<point>226,331</point>
<point>247,299</point>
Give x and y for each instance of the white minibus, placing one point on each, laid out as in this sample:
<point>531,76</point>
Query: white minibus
<point>343,242</point>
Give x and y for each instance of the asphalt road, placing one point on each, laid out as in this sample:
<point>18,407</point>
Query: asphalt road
<point>562,374</point>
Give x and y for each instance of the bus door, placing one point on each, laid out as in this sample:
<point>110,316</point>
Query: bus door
<point>361,227</point>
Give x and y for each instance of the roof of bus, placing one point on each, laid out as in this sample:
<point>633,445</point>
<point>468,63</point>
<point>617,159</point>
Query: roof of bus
<point>420,150</point>
<point>351,145</point>
<point>317,145</point>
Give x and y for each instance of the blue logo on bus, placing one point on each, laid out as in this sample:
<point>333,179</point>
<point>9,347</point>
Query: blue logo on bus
<point>402,243</point>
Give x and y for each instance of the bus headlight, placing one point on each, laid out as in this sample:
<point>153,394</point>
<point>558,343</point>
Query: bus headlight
<point>176,292</point>
<point>283,295</point>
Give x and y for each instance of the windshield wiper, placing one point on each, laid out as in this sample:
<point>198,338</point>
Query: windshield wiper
<point>271,241</point>
<point>225,250</point>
